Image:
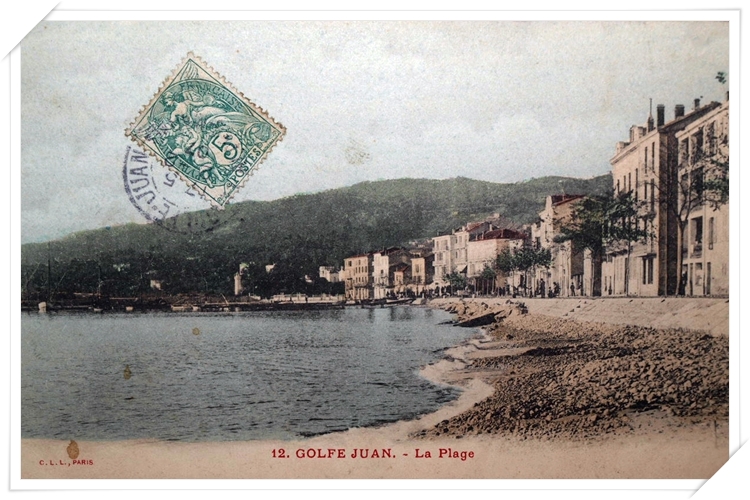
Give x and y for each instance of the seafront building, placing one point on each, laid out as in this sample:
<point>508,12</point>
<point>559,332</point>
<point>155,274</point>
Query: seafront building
<point>567,274</point>
<point>451,251</point>
<point>443,263</point>
<point>358,277</point>
<point>703,159</point>
<point>647,167</point>
<point>422,272</point>
<point>483,250</point>
<point>330,274</point>
<point>384,264</point>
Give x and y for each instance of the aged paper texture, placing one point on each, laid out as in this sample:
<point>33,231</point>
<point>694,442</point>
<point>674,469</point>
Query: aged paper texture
<point>483,250</point>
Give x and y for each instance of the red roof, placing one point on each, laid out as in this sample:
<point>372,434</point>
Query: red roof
<point>559,199</point>
<point>501,234</point>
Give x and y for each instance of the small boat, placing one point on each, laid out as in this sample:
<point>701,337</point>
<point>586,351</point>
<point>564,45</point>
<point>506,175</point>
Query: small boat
<point>373,303</point>
<point>394,302</point>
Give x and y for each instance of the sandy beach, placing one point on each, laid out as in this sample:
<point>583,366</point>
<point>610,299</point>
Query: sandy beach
<point>464,439</point>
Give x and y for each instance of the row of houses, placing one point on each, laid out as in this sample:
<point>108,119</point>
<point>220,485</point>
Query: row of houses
<point>388,273</point>
<point>672,171</point>
<point>471,248</point>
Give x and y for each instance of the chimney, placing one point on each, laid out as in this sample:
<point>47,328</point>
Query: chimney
<point>650,120</point>
<point>696,104</point>
<point>679,111</point>
<point>659,115</point>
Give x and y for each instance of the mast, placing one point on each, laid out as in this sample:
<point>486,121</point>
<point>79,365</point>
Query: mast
<point>49,273</point>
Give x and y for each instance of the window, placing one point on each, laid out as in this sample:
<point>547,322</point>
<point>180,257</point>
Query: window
<point>648,270</point>
<point>697,142</point>
<point>698,182</point>
<point>696,231</point>
<point>711,233</point>
<point>652,194</point>
<point>698,275</point>
<point>684,187</point>
<point>653,162</point>
<point>711,139</point>
<point>636,184</point>
<point>684,151</point>
<point>624,267</point>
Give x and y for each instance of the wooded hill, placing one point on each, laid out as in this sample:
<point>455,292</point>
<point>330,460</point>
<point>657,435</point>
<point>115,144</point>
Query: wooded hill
<point>201,251</point>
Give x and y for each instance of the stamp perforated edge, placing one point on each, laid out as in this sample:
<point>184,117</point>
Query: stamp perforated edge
<point>166,83</point>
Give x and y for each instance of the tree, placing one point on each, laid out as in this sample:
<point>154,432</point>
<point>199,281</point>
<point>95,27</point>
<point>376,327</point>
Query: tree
<point>702,178</point>
<point>696,176</point>
<point>523,259</point>
<point>528,259</point>
<point>456,280</point>
<point>488,275</point>
<point>505,261</point>
<point>599,221</point>
<point>716,186</point>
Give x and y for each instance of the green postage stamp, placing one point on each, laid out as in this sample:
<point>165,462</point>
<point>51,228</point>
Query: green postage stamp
<point>205,131</point>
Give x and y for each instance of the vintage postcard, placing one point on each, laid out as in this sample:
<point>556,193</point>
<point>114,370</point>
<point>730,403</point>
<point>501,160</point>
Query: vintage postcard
<point>487,249</point>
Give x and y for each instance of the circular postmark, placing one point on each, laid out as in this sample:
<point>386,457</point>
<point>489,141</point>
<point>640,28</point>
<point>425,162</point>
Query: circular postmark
<point>163,199</point>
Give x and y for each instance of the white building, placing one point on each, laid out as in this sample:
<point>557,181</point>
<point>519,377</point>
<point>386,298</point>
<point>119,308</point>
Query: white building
<point>451,251</point>
<point>482,251</point>
<point>443,264</point>
<point>329,274</point>
<point>567,262</point>
<point>703,154</point>
<point>647,167</point>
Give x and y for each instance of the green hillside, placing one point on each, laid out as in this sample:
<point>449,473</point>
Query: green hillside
<point>200,252</point>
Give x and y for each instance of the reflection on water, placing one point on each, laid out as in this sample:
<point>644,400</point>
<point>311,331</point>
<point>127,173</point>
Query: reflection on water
<point>242,376</point>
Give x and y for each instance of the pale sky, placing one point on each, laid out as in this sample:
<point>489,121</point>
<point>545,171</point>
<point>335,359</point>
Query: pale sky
<point>496,101</point>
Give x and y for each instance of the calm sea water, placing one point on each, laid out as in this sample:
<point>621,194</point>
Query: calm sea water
<point>243,376</point>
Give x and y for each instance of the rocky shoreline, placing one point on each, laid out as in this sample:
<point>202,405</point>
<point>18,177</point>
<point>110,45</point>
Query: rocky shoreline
<point>559,378</point>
